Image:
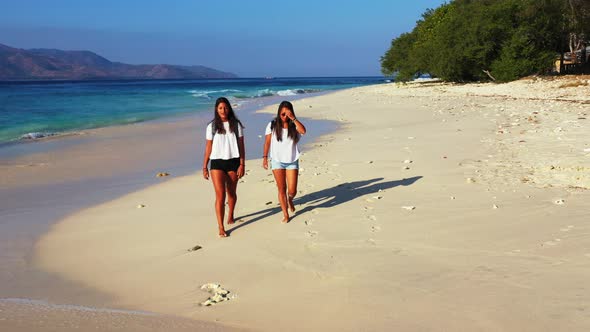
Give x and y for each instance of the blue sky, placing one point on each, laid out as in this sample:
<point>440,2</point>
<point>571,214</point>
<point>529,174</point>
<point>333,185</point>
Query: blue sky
<point>250,38</point>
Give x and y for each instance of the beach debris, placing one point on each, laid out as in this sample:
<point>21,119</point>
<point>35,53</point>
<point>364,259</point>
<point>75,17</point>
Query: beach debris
<point>409,207</point>
<point>470,180</point>
<point>369,162</point>
<point>195,248</point>
<point>140,206</point>
<point>312,233</point>
<point>494,206</point>
<point>406,167</point>
<point>559,201</point>
<point>162,174</point>
<point>453,197</point>
<point>268,203</point>
<point>407,161</point>
<point>378,197</point>
<point>218,294</point>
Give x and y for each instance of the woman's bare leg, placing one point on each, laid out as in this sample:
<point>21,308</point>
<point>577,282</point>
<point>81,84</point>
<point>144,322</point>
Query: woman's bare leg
<point>292,177</point>
<point>219,179</point>
<point>232,197</point>
<point>282,188</point>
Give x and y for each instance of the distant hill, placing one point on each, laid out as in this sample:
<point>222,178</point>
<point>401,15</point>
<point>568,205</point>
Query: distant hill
<point>49,64</point>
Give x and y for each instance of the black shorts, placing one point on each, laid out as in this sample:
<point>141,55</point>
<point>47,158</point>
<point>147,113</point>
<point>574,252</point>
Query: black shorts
<point>229,165</point>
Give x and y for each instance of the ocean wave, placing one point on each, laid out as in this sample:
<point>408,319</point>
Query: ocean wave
<point>270,93</point>
<point>36,135</point>
<point>207,93</point>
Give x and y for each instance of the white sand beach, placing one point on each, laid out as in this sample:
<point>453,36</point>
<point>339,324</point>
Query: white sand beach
<point>434,207</point>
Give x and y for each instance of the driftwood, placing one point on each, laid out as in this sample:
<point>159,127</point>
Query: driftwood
<point>487,72</point>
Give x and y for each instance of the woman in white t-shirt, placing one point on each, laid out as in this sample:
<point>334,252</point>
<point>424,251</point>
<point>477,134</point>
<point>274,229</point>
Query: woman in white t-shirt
<point>282,135</point>
<point>225,148</point>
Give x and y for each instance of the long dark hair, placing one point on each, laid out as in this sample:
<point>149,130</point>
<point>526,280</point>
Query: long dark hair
<point>277,124</point>
<point>231,118</point>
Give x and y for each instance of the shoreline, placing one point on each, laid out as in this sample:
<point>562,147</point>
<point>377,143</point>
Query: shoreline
<point>322,253</point>
<point>67,169</point>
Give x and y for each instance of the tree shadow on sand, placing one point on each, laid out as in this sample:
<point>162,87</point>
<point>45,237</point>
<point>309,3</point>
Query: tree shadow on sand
<point>329,197</point>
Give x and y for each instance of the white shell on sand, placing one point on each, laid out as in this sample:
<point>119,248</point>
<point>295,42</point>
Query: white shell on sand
<point>559,201</point>
<point>218,294</point>
<point>409,207</point>
<point>140,206</point>
<point>407,161</point>
<point>470,180</point>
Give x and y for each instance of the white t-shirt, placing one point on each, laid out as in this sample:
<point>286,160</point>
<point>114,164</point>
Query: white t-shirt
<point>285,151</point>
<point>225,146</point>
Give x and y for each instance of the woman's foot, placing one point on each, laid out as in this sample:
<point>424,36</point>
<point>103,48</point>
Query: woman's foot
<point>222,233</point>
<point>230,220</point>
<point>291,205</point>
<point>285,219</point>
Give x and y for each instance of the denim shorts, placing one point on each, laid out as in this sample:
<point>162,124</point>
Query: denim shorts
<point>279,165</point>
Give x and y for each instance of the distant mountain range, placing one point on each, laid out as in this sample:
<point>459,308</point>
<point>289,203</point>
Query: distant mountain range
<point>52,64</point>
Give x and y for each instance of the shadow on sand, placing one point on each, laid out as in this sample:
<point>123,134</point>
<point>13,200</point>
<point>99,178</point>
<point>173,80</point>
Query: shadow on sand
<point>329,197</point>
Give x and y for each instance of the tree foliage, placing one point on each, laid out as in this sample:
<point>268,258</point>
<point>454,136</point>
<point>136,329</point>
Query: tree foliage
<point>469,40</point>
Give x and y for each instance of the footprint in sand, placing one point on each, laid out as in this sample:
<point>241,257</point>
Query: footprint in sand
<point>312,233</point>
<point>551,243</point>
<point>567,229</point>
<point>372,217</point>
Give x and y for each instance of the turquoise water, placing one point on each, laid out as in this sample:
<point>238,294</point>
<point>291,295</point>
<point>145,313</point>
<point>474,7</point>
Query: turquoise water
<point>32,110</point>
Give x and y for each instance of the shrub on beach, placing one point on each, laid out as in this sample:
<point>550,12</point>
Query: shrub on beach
<point>467,40</point>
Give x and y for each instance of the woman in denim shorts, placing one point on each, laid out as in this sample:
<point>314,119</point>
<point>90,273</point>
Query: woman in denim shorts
<point>282,135</point>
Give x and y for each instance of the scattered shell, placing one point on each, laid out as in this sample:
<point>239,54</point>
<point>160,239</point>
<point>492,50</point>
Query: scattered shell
<point>161,174</point>
<point>219,294</point>
<point>377,197</point>
<point>470,180</point>
<point>369,162</point>
<point>452,197</point>
<point>409,208</point>
<point>407,167</point>
<point>560,202</point>
<point>407,161</point>
<point>268,203</point>
<point>140,206</point>
<point>495,206</point>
